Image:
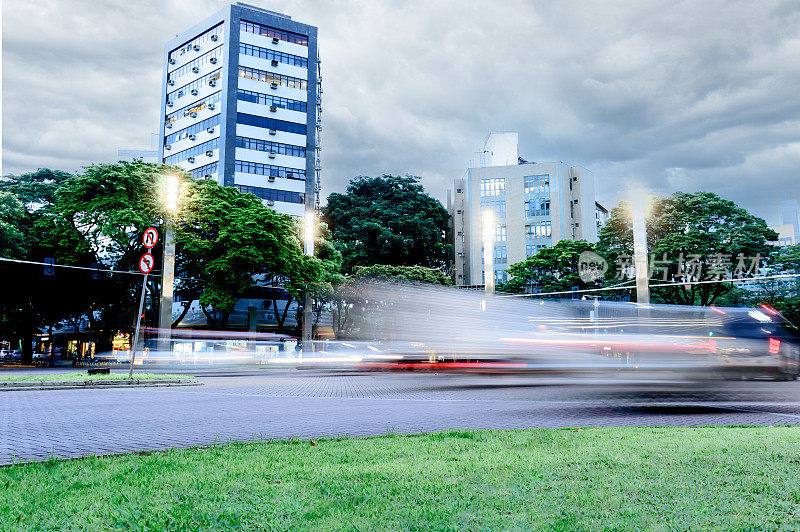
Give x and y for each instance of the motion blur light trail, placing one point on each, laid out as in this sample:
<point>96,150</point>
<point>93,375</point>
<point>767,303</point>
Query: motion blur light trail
<point>395,326</point>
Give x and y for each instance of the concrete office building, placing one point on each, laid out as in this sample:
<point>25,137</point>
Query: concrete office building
<point>789,228</point>
<point>534,204</point>
<point>241,103</point>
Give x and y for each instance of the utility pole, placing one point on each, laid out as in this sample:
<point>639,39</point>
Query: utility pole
<point>638,207</point>
<point>307,302</point>
<point>172,188</point>
<point>488,251</point>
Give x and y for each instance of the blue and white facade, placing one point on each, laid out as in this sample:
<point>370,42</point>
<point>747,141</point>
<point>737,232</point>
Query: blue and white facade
<point>241,103</point>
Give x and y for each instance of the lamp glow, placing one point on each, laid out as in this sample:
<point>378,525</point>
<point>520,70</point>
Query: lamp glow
<point>173,185</point>
<point>308,236</point>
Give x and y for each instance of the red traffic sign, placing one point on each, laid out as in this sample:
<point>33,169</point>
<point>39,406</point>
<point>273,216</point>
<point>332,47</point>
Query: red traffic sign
<point>146,263</point>
<point>150,237</point>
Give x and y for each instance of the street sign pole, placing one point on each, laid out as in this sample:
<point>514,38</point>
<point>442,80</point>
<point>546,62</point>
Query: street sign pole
<point>138,326</point>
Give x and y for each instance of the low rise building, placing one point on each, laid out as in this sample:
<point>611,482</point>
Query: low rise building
<point>534,205</point>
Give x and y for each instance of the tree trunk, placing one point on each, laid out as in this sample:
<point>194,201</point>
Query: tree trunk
<point>183,314</point>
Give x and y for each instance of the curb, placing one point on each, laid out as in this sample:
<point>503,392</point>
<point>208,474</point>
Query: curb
<point>62,385</point>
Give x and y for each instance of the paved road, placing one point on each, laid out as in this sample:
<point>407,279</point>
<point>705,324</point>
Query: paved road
<point>36,425</point>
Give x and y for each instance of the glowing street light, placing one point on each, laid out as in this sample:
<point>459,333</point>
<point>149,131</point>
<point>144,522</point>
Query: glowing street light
<point>488,251</point>
<point>172,186</point>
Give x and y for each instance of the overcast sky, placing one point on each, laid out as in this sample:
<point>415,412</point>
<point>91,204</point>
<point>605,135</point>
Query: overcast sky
<point>696,95</point>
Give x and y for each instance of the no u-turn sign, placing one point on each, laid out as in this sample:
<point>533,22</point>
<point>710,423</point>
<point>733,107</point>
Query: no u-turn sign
<point>146,263</point>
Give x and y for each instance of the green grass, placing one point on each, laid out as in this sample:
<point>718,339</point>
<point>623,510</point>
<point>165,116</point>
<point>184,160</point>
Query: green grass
<point>83,376</point>
<point>620,478</point>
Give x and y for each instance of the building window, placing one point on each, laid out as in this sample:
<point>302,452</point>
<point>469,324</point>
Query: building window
<point>273,55</point>
<point>194,151</point>
<point>533,249</point>
<point>537,184</point>
<point>266,99</point>
<point>249,167</point>
<point>537,207</point>
<point>216,53</point>
<point>500,233</point>
<point>500,276</point>
<point>500,255</point>
<point>273,194</point>
<point>541,229</point>
<point>271,147</point>
<point>193,107</point>
<point>208,36</point>
<point>191,130</point>
<point>495,186</point>
<point>272,77</point>
<point>195,85</point>
<point>458,191</point>
<point>203,171</point>
<point>270,123</point>
<point>497,205</point>
<point>273,33</point>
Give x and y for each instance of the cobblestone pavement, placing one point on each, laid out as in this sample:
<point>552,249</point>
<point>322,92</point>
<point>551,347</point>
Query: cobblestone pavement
<point>36,425</point>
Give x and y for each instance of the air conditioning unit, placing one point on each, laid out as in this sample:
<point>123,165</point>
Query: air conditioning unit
<point>274,62</point>
<point>211,106</point>
<point>171,82</point>
<point>210,130</point>
<point>272,155</point>
<point>196,47</point>
<point>273,132</point>
<point>193,92</point>
<point>195,69</point>
<point>191,160</point>
<point>209,153</point>
<point>274,40</point>
<point>168,125</point>
<point>167,147</point>
<point>170,104</point>
<point>272,108</point>
<point>215,37</point>
<point>271,202</point>
<point>171,60</point>
<point>212,83</point>
<point>271,179</point>
<point>213,60</point>
<point>193,114</point>
<point>192,137</point>
<point>273,85</point>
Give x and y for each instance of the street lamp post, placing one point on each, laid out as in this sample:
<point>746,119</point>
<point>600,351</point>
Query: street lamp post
<point>488,251</point>
<point>638,201</point>
<point>308,238</point>
<point>172,188</point>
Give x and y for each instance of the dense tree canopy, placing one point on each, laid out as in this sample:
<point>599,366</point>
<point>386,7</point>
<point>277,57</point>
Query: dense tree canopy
<point>690,237</point>
<point>417,274</point>
<point>227,242</point>
<point>388,220</point>
<point>551,269</point>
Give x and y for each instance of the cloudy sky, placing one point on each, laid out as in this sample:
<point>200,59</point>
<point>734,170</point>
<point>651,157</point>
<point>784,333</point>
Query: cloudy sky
<point>694,95</point>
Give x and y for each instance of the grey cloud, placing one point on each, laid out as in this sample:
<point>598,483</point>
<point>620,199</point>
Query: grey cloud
<point>672,95</point>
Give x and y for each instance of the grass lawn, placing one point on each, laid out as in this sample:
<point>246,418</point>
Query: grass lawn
<point>83,376</point>
<point>628,478</point>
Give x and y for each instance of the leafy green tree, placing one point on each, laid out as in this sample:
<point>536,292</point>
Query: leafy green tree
<point>690,237</point>
<point>388,220</point>
<point>551,269</point>
<point>419,274</point>
<point>12,234</point>
<point>235,244</point>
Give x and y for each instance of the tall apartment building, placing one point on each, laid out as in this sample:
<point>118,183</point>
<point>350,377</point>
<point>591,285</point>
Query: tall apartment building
<point>534,205</point>
<point>241,101</point>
